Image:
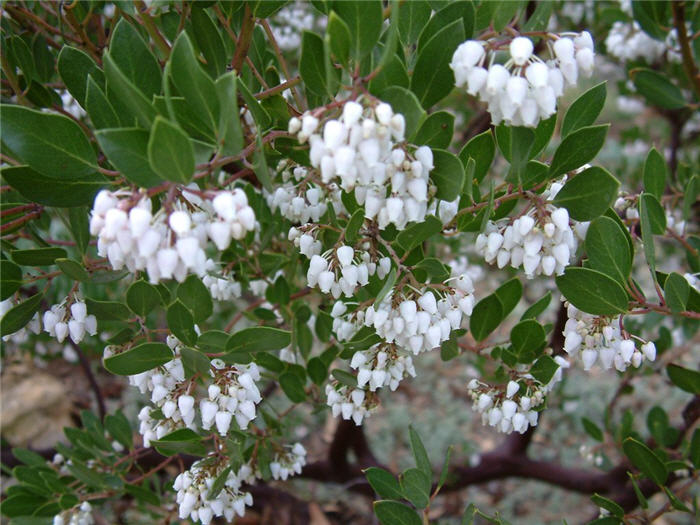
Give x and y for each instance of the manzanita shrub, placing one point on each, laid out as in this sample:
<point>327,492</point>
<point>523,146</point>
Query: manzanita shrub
<point>255,210</point>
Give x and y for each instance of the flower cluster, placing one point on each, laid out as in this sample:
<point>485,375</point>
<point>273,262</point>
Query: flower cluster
<point>513,408</point>
<point>193,487</point>
<point>290,22</point>
<point>79,515</point>
<point>344,269</point>
<point>350,403</point>
<point>300,202</point>
<point>168,244</point>
<point>233,394</point>
<point>542,241</point>
<point>288,463</point>
<point>600,339</point>
<point>408,324</point>
<point>424,323</point>
<point>60,322</point>
<point>364,151</point>
<point>627,41</point>
<point>221,287</point>
<point>379,367</point>
<point>525,89</point>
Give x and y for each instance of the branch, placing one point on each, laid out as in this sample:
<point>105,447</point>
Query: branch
<point>689,65</point>
<point>85,365</point>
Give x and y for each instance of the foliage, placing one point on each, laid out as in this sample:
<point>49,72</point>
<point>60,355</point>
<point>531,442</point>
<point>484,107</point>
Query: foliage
<point>226,199</point>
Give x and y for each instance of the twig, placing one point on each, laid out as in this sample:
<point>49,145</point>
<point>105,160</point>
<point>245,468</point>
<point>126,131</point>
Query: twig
<point>85,365</point>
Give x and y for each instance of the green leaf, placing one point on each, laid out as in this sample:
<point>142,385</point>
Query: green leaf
<point>383,482</point>
<point>527,337</point>
<point>193,83</point>
<point>139,359</point>
<point>354,224</point>
<point>539,20</point>
<point>142,298</point>
<point>181,322</point>
<point>312,64</point>
<point>119,428</point>
<point>577,149</point>
<point>592,291</point>
<point>196,297</point>
<point>21,505</point>
<point>19,315</point>
<point>345,378</point>
<point>645,460</point>
<point>99,108</point>
<point>37,256</point>
<point>655,173</point>
<point>73,269</point>
<point>11,276</point>
<point>448,175</point>
<point>592,429</point>
<point>544,369</point>
<point>648,209</point>
<point>609,505</point>
<point>107,310</point>
<point>584,110</point>
<point>432,78</point>
<point>130,96</point>
<point>654,213</point>
<point>49,191</point>
<point>487,315</point>
<point>543,134</point>
<point>79,225</point>
<point>230,132</point>
<point>607,249</point>
<point>415,234</point>
<point>391,512</point>
<point>436,131</point>
<point>676,292</point>
<point>509,293</point>
<point>690,195</point>
<point>415,486</point>
<point>683,378</point>
<point>339,36</point>
<point>387,287</point>
<point>538,307</point>
<point>413,16</point>
<point>293,387</point>
<point>364,21</point>
<point>258,339</point>
<point>127,150</point>
<point>482,149</point>
<point>195,362</point>
<point>75,66</point>
<point>588,194</point>
<point>694,449</point>
<point>405,102</point>
<point>170,152</point>
<point>317,370</point>
<point>651,18</point>
<point>209,41</point>
<point>658,89</point>
<point>460,10</point>
<point>419,453</point>
<point>134,59</point>
<point>51,144</point>
<point>182,441</point>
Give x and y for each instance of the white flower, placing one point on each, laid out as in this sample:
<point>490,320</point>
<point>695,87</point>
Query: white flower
<point>521,50</point>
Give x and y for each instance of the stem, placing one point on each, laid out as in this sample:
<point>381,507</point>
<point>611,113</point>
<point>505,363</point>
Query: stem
<point>244,40</point>
<point>689,65</point>
<point>85,365</point>
<point>156,35</point>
